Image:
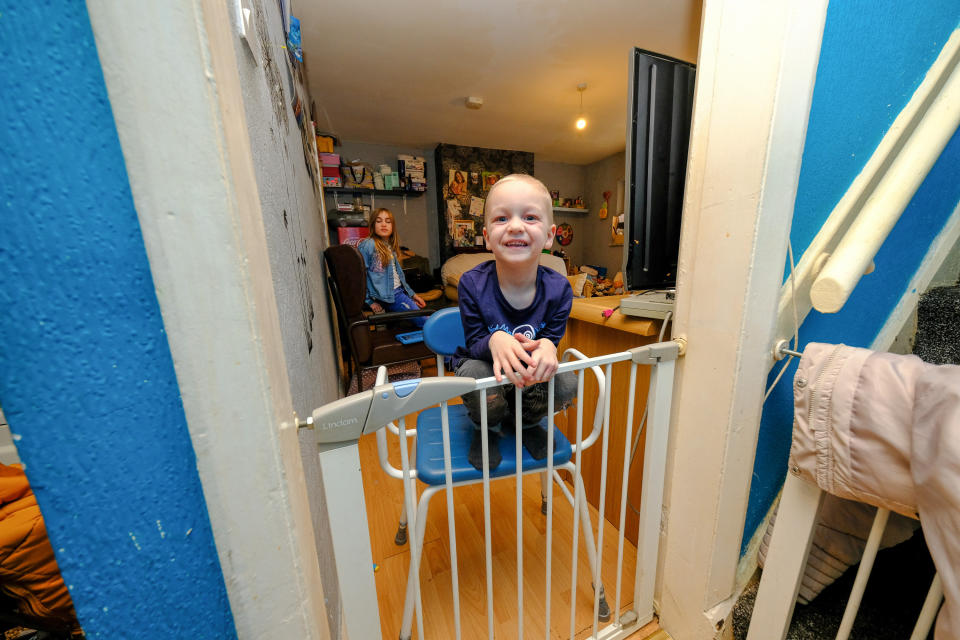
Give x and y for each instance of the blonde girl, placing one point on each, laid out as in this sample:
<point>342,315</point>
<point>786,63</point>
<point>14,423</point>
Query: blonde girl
<point>387,288</point>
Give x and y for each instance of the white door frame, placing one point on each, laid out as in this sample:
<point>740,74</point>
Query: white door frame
<point>174,87</point>
<point>196,198</point>
<point>755,76</point>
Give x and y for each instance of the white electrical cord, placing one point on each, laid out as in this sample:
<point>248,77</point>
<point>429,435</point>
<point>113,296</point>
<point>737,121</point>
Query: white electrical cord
<point>643,419</point>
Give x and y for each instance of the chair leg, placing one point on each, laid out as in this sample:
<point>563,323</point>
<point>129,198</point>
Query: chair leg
<point>591,545</point>
<point>545,484</point>
<point>401,538</point>
<point>420,525</point>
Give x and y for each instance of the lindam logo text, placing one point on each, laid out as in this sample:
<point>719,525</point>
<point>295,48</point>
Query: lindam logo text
<point>343,422</point>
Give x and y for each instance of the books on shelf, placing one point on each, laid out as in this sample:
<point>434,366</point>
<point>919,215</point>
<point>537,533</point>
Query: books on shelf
<point>412,171</point>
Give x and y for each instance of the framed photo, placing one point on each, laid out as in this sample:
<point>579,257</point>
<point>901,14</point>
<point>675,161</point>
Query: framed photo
<point>464,233</point>
<point>489,179</point>
<point>457,184</point>
<point>616,230</point>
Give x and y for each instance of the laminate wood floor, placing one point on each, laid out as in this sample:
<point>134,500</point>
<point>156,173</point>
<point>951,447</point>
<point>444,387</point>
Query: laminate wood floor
<point>384,497</point>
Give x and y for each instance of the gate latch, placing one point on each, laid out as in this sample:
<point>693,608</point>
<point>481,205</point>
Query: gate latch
<point>349,418</point>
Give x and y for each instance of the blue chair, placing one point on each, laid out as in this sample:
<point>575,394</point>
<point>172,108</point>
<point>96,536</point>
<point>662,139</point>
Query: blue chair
<point>442,337</point>
<point>443,333</point>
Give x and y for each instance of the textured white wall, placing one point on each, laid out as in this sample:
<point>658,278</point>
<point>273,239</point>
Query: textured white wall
<point>293,225</point>
<point>235,279</point>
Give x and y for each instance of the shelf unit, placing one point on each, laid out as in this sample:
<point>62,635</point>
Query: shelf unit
<point>375,192</point>
<point>576,210</point>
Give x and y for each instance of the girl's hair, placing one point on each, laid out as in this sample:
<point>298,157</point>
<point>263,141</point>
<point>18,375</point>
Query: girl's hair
<point>386,249</point>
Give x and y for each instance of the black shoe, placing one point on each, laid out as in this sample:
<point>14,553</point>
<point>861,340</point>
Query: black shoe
<point>475,455</point>
<point>535,441</point>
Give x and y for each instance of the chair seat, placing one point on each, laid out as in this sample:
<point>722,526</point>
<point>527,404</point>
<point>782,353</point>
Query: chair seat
<point>430,449</point>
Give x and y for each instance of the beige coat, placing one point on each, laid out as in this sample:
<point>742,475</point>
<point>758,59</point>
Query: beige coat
<point>884,429</point>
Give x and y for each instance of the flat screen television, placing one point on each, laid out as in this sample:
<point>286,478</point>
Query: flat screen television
<point>658,132</point>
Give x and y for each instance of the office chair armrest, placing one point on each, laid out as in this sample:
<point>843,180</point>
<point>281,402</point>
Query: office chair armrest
<point>387,318</point>
<point>396,316</point>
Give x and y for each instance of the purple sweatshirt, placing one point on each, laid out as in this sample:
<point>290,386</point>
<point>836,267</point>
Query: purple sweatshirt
<point>484,310</point>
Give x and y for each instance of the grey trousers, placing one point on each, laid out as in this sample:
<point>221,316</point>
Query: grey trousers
<point>501,400</point>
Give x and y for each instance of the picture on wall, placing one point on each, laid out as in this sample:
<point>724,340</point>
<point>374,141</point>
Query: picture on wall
<point>452,214</point>
<point>490,179</point>
<point>476,206</point>
<point>616,230</point>
<point>457,184</point>
<point>464,233</point>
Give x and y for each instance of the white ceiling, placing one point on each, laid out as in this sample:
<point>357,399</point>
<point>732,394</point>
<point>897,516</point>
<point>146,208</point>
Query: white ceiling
<point>398,73</point>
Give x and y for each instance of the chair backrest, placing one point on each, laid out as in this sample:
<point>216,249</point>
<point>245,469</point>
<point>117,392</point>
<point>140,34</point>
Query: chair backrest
<point>348,280</point>
<point>443,332</point>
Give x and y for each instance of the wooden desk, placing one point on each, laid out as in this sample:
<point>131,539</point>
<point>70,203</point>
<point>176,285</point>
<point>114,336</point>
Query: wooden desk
<point>590,333</point>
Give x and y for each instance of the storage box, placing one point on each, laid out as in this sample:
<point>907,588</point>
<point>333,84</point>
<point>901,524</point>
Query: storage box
<point>331,181</point>
<point>330,159</point>
<point>411,165</point>
<point>351,235</point>
<point>330,172</point>
<point>324,143</point>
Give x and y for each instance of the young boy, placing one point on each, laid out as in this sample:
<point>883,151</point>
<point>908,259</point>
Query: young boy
<point>514,313</point>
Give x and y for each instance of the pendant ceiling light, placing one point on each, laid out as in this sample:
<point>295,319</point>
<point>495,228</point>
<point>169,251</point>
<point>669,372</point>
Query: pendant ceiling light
<point>581,118</point>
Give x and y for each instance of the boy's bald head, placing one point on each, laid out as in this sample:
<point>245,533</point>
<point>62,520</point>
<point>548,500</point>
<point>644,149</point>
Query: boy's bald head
<point>546,201</point>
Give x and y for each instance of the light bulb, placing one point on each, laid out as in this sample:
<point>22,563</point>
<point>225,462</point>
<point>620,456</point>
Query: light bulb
<point>581,121</point>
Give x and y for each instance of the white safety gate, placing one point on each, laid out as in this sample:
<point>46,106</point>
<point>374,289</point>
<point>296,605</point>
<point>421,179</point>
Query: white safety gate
<point>783,571</point>
<point>340,424</point>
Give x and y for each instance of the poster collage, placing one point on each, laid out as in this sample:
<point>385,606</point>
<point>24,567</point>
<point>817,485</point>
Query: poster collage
<point>464,178</point>
<point>464,194</point>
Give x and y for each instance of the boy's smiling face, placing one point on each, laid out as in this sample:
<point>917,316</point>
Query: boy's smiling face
<point>518,225</point>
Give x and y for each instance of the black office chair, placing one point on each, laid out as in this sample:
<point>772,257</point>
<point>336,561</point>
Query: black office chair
<point>367,341</point>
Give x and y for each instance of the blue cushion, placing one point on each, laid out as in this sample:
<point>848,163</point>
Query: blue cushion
<point>430,448</point>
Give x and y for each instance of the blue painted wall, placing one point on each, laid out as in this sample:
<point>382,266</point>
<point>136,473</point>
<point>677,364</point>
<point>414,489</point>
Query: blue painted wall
<point>873,57</point>
<point>86,377</point>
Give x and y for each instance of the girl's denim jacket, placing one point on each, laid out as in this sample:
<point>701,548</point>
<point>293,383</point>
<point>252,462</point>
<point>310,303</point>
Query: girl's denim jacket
<point>380,278</point>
